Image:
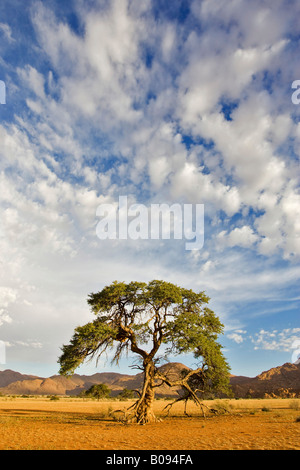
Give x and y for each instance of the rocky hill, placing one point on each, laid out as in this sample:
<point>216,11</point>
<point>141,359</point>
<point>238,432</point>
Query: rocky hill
<point>14,383</point>
<point>282,381</point>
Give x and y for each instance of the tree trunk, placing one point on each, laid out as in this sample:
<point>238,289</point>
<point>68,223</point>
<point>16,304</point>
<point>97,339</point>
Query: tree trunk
<point>144,406</point>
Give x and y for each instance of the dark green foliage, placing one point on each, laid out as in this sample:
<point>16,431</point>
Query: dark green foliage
<point>87,341</point>
<point>126,394</point>
<point>98,391</point>
<point>54,398</point>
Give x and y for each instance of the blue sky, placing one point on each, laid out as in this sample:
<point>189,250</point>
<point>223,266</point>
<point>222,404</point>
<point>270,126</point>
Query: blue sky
<point>165,102</point>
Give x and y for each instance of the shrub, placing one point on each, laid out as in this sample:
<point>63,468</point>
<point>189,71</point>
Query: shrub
<point>54,397</point>
<point>294,405</point>
<point>126,394</point>
<point>98,391</point>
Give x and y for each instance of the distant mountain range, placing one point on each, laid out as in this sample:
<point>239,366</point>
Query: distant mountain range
<point>282,381</point>
<point>14,383</point>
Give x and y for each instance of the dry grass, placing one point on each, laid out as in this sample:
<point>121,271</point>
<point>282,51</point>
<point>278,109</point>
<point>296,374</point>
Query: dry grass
<point>42,423</point>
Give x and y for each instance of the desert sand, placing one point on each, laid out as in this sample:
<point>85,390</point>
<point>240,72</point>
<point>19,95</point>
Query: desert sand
<point>75,424</point>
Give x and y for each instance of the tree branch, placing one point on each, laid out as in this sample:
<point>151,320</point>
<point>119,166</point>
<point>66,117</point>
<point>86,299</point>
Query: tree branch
<point>189,393</point>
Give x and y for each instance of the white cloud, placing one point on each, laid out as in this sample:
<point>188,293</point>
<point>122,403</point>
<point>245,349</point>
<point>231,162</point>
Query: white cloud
<point>98,71</point>
<point>204,189</point>
<point>260,23</point>
<point>4,317</point>
<point>28,344</point>
<point>5,29</point>
<point>34,79</point>
<point>110,51</point>
<point>239,236</point>
<point>274,340</point>
<point>8,297</point>
<point>237,336</point>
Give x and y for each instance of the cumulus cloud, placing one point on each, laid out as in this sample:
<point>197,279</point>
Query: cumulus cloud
<point>240,236</point>
<point>6,31</point>
<point>103,73</point>
<point>275,340</point>
<point>237,336</point>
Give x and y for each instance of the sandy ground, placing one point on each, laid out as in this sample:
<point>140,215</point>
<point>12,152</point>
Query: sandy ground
<point>41,424</point>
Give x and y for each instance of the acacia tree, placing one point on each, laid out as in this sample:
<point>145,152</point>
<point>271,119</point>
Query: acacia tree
<point>98,391</point>
<point>141,318</point>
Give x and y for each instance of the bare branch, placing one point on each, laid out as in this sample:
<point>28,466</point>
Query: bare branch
<point>183,382</point>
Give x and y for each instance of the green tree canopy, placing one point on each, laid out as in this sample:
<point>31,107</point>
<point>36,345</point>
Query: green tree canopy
<point>98,391</point>
<point>126,394</point>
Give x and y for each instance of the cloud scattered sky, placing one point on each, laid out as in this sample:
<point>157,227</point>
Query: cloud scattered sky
<point>284,340</point>
<point>189,104</point>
